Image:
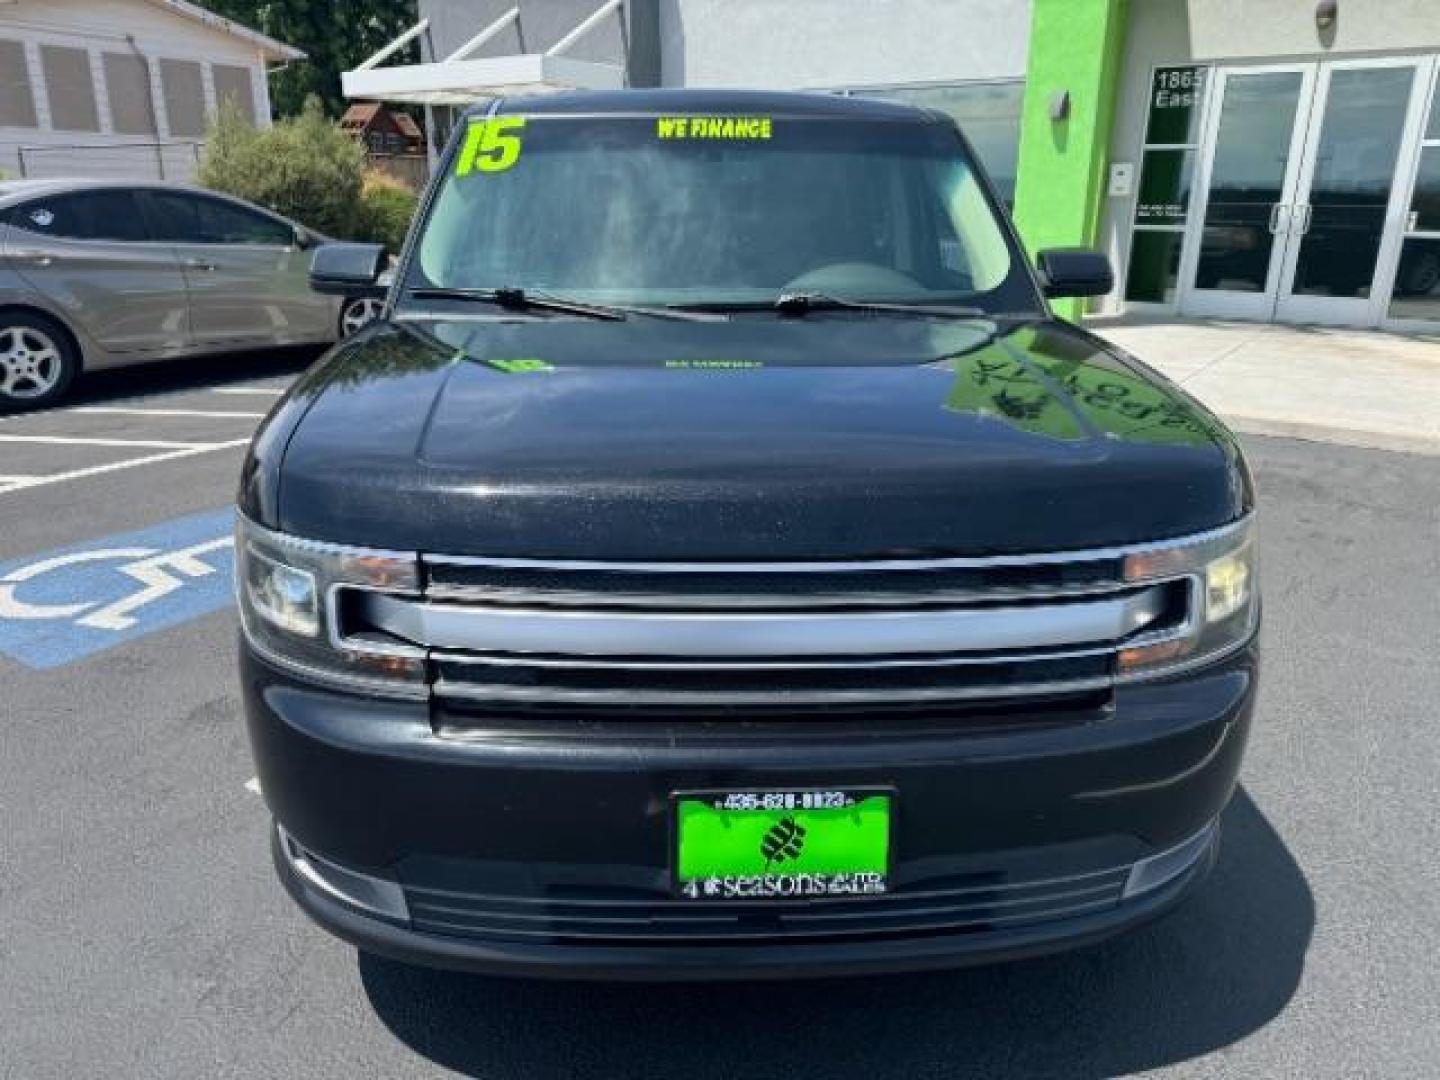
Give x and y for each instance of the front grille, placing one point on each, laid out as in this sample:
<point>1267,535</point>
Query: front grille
<point>965,905</point>
<point>509,635</point>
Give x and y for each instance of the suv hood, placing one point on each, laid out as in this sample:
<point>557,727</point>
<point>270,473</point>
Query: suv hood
<point>832,436</point>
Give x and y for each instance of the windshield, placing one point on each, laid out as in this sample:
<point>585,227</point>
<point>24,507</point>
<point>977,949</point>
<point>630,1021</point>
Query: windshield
<point>717,210</point>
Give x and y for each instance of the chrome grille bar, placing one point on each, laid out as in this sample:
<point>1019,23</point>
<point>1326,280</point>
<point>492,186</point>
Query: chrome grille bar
<point>765,635</point>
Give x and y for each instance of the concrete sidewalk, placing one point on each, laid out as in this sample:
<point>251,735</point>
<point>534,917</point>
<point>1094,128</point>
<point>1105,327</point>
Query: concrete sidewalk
<point>1357,387</point>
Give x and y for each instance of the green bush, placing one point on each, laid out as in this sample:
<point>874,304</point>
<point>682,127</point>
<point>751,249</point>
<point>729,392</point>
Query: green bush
<point>304,167</point>
<point>386,208</point>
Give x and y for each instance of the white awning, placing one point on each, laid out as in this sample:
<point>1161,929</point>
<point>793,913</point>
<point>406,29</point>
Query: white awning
<point>458,80</point>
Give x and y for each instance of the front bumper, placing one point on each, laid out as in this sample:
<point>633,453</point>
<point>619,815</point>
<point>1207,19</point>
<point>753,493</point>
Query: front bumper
<point>546,852</point>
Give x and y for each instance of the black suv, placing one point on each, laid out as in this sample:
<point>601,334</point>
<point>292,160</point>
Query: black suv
<point>718,562</point>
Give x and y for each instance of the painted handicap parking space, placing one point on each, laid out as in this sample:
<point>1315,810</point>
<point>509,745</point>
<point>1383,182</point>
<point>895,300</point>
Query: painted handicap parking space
<point>60,606</point>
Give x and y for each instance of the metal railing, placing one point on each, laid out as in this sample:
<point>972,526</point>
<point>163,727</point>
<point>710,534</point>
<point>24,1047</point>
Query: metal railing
<point>172,159</point>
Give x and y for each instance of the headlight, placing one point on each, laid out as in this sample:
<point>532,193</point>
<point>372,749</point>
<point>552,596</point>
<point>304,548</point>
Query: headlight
<point>1222,601</point>
<point>296,598</point>
<point>282,595</point>
<point>1227,585</point>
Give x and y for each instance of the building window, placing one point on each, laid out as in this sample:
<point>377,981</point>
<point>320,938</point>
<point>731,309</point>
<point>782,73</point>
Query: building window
<point>70,88</point>
<point>127,83</point>
<point>17,101</point>
<point>184,97</point>
<point>1167,172</point>
<point>1417,278</point>
<point>232,85</point>
<point>987,112</point>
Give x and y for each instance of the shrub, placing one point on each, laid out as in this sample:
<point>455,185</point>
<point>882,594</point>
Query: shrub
<point>304,167</point>
<point>386,207</point>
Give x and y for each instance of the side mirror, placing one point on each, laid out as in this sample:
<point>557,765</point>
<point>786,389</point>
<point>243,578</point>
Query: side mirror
<point>347,269</point>
<point>1075,272</point>
<point>304,238</point>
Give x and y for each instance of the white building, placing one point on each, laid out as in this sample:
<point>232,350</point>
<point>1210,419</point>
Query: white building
<point>122,88</point>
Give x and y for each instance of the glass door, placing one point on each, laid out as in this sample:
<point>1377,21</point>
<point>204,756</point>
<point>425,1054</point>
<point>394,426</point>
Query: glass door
<point>1347,217</point>
<point>1415,293</point>
<point>1303,192</point>
<point>1237,238</point>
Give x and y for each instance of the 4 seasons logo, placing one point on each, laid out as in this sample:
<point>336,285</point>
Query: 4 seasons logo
<point>784,841</point>
<point>742,845</point>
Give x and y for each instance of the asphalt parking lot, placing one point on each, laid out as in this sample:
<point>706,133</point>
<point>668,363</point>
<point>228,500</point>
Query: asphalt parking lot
<point>142,933</point>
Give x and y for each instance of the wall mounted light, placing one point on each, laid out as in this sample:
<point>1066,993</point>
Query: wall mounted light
<point>1060,105</point>
<point>1326,12</point>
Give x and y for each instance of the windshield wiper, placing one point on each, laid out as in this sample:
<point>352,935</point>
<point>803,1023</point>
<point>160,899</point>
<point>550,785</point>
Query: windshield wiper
<point>517,299</point>
<point>802,303</point>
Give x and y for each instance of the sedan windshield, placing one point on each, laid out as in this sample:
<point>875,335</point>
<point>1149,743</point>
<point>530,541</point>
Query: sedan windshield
<point>717,211</point>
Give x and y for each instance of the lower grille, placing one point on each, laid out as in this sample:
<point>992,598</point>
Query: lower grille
<point>528,680</point>
<point>460,718</point>
<point>964,907</point>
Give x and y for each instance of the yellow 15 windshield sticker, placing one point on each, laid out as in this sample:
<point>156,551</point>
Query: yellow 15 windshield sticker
<point>712,127</point>
<point>491,145</point>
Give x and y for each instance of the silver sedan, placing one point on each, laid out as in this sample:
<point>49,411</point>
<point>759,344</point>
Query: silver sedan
<point>97,274</point>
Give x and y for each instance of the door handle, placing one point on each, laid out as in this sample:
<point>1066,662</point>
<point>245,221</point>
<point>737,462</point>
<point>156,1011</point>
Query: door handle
<point>1275,209</point>
<point>198,264</point>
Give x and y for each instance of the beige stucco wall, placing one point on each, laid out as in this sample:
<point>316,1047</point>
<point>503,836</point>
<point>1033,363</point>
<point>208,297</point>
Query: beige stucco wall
<point>1179,31</point>
<point>807,44</point>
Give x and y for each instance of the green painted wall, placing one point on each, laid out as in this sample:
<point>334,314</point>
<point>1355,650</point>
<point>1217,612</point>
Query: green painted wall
<point>1075,46</point>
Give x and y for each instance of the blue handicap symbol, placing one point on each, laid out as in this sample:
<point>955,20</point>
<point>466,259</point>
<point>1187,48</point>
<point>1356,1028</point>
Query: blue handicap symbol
<point>62,605</point>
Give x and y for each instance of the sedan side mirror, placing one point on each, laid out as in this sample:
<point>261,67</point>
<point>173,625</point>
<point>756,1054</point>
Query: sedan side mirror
<point>1075,272</point>
<point>304,238</point>
<point>346,269</point>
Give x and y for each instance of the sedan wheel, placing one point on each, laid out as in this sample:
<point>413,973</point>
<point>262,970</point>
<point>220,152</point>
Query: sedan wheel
<point>36,362</point>
<point>358,312</point>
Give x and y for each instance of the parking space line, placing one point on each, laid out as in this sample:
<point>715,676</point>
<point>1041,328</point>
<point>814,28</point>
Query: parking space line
<point>85,440</point>
<point>266,391</point>
<point>117,410</point>
<point>30,482</point>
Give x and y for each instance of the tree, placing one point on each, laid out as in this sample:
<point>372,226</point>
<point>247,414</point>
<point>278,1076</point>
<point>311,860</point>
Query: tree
<point>304,167</point>
<point>336,35</point>
<point>308,169</point>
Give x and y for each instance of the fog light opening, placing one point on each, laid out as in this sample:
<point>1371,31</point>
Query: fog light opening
<point>1149,874</point>
<point>372,894</point>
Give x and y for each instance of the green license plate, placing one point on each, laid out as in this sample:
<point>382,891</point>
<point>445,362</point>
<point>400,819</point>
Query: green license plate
<point>751,845</point>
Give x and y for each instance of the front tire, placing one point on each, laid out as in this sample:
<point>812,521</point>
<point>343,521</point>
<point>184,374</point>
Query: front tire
<point>38,361</point>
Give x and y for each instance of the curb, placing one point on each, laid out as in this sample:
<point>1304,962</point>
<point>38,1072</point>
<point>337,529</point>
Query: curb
<point>1364,438</point>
